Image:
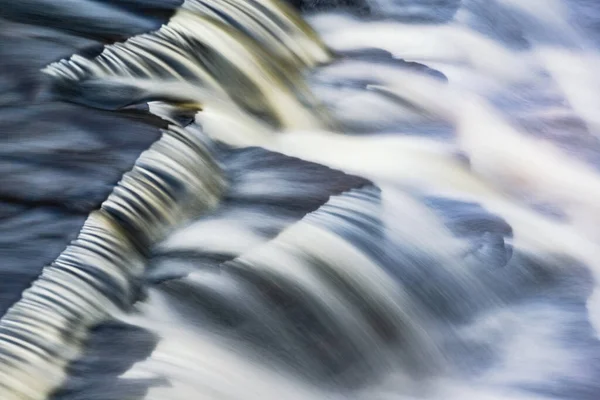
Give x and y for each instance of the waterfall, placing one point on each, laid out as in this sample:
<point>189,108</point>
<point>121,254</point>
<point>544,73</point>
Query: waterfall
<point>343,199</point>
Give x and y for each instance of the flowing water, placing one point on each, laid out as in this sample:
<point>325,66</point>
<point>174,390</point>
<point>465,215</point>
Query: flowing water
<point>370,200</point>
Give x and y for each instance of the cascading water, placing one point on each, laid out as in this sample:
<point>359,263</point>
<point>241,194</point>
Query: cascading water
<point>378,199</point>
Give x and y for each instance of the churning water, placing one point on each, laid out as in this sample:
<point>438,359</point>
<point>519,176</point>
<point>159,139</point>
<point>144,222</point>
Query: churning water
<point>364,200</point>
